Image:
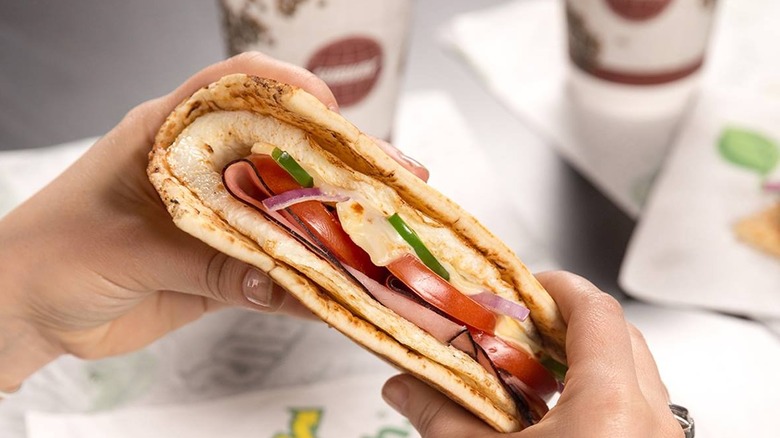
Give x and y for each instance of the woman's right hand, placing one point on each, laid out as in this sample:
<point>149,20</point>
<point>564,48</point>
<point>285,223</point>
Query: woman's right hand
<point>612,388</point>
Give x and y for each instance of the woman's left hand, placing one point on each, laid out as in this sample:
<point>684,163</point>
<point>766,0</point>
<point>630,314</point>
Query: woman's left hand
<point>93,265</point>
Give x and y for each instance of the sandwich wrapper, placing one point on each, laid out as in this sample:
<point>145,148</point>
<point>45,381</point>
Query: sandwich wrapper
<point>727,400</point>
<point>723,369</point>
<point>684,250</point>
<point>307,411</point>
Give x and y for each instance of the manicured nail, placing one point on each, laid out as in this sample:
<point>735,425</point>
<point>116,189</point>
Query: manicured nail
<point>411,161</point>
<point>258,288</point>
<point>395,392</point>
<point>414,166</point>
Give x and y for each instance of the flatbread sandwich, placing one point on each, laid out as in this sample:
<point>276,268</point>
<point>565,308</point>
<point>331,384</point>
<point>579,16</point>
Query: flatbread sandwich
<point>265,173</point>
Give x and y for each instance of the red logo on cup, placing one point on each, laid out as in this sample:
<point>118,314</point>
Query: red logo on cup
<point>350,66</point>
<point>638,10</point>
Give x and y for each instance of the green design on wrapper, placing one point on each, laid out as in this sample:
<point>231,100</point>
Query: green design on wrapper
<point>749,149</point>
<point>303,423</point>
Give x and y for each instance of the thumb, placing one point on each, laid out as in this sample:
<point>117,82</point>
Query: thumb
<point>179,262</point>
<point>233,282</point>
<point>432,413</point>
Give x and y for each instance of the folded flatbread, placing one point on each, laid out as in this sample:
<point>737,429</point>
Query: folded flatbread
<point>240,115</point>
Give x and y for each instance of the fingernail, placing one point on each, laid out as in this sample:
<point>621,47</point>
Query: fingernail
<point>409,159</point>
<point>333,107</point>
<point>414,166</point>
<point>395,393</point>
<point>258,288</point>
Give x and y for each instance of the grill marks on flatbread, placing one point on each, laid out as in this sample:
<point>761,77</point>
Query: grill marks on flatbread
<point>221,123</point>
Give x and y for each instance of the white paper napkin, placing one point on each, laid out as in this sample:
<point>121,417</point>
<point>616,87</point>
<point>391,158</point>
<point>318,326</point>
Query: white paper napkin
<point>684,250</point>
<point>721,368</point>
<point>346,407</point>
<point>519,49</point>
<point>215,360</point>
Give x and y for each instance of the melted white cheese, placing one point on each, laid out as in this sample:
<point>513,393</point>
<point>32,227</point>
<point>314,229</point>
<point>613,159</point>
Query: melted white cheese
<point>262,147</point>
<point>370,230</point>
<point>510,330</point>
<point>460,282</point>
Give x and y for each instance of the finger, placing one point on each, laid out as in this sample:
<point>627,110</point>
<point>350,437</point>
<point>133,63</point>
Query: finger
<point>228,280</point>
<point>650,382</point>
<point>194,267</point>
<point>598,344</point>
<point>431,412</point>
<point>409,163</point>
<point>231,281</point>
<point>254,281</point>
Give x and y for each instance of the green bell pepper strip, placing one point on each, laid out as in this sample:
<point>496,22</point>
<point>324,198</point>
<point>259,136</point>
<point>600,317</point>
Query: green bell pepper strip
<point>557,369</point>
<point>292,167</point>
<point>419,247</point>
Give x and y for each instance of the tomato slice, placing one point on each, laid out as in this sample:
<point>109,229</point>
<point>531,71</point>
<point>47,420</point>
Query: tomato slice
<point>439,293</point>
<point>422,251</point>
<point>314,218</point>
<point>518,363</point>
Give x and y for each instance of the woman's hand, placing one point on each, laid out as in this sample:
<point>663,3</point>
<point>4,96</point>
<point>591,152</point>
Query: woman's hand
<point>93,265</point>
<point>613,388</point>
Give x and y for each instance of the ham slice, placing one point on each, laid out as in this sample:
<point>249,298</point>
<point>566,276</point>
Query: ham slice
<point>243,183</point>
<point>435,324</point>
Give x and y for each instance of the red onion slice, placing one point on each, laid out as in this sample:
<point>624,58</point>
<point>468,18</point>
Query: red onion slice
<point>243,183</point>
<point>772,186</point>
<point>501,305</point>
<point>292,197</point>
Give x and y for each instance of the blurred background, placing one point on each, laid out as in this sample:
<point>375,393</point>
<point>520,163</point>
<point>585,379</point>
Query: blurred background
<point>71,71</point>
